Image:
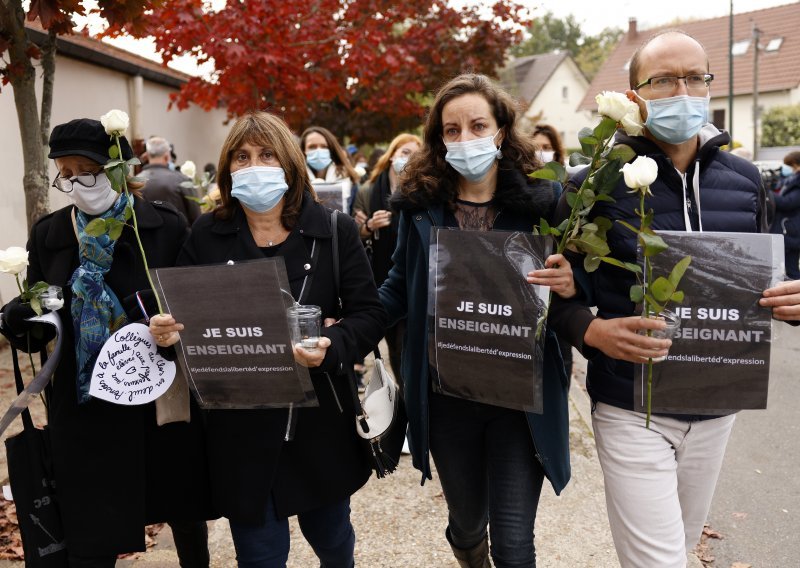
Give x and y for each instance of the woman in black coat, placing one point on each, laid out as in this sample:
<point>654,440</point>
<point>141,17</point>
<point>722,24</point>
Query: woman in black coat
<point>787,215</point>
<point>259,477</point>
<point>116,470</point>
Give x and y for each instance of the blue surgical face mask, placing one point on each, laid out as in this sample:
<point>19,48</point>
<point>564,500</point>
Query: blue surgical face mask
<point>319,159</point>
<point>786,170</point>
<point>259,188</point>
<point>474,158</point>
<point>676,119</point>
<point>398,163</point>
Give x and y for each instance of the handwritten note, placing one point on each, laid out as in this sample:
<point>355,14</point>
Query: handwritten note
<point>129,370</point>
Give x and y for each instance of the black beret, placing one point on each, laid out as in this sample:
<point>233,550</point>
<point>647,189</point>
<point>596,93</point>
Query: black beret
<point>85,137</point>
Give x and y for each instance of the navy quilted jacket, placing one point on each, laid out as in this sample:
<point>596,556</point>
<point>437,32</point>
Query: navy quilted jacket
<point>731,199</point>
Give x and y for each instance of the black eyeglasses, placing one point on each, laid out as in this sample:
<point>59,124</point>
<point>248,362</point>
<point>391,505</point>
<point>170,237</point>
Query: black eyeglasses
<point>64,184</point>
<point>698,82</point>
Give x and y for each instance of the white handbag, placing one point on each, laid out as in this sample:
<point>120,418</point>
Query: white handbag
<point>379,406</point>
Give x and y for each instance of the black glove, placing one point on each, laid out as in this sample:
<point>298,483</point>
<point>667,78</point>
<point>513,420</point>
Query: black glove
<point>24,335</point>
<point>134,311</point>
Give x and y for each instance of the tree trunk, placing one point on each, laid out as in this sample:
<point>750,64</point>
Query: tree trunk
<point>23,81</point>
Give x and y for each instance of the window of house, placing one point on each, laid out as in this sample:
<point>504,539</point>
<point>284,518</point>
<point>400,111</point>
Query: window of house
<point>774,44</point>
<point>740,47</point>
<point>718,118</point>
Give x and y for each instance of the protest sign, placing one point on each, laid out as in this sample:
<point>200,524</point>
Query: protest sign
<point>129,370</point>
<point>483,316</point>
<point>719,361</point>
<point>331,195</point>
<point>235,348</point>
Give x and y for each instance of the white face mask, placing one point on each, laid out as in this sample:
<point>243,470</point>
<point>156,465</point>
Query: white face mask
<point>546,155</point>
<point>474,158</point>
<point>96,199</point>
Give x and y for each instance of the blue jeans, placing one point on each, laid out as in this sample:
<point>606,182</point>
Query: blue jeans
<point>328,530</point>
<point>487,466</point>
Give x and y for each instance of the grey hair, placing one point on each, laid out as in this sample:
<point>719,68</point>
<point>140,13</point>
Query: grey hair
<point>157,147</point>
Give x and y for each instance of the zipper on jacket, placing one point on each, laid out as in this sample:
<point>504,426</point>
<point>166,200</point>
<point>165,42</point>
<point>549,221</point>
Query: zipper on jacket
<point>333,390</point>
<point>289,433</point>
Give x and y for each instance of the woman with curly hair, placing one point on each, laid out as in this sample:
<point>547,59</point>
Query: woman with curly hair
<point>471,173</point>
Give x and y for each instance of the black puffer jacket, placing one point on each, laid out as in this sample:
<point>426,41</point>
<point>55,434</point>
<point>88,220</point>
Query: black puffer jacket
<point>732,199</point>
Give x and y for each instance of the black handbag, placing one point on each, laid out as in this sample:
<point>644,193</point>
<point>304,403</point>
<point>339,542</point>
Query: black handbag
<point>33,488</point>
<point>383,434</point>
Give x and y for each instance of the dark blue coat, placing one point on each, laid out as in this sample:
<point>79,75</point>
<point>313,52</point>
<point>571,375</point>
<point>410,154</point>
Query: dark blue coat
<point>405,294</point>
<point>732,199</point>
<point>787,212</point>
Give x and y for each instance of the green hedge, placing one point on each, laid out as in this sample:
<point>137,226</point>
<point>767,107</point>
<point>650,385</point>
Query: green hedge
<point>780,126</point>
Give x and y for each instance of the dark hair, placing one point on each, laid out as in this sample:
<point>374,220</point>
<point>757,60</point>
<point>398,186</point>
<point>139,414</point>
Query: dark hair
<point>555,140</point>
<point>633,66</point>
<point>264,129</point>
<point>338,155</point>
<point>428,176</point>
<point>792,158</point>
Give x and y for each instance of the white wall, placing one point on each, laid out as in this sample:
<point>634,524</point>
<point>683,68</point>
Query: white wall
<point>743,111</point>
<point>83,90</point>
<point>559,111</point>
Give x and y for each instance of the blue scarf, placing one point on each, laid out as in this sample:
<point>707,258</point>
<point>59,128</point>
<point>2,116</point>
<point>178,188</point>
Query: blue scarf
<point>96,310</point>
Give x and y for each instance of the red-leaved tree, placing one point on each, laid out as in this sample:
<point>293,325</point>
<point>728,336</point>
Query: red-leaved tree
<point>19,68</point>
<point>365,68</point>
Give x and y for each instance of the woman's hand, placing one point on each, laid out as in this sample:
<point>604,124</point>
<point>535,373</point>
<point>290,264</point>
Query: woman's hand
<point>165,330</point>
<point>379,219</point>
<point>313,358</point>
<point>619,338</point>
<point>557,274</point>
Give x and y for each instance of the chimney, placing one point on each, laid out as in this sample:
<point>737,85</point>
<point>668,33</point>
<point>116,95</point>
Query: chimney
<point>632,31</point>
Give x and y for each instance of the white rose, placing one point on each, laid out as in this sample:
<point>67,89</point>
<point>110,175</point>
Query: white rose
<point>632,122</point>
<point>115,121</point>
<point>614,105</point>
<point>640,173</point>
<point>189,169</point>
<point>13,260</point>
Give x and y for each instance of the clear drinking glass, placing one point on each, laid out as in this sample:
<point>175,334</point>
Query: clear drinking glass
<point>304,325</point>
<point>52,299</point>
<point>673,325</point>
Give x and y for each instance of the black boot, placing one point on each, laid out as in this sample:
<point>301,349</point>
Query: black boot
<point>191,542</point>
<point>475,557</point>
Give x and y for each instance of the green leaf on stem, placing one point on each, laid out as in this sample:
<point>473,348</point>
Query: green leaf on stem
<point>621,152</point>
<point>628,226</point>
<point>113,152</point>
<point>116,176</point>
<point>632,267</point>
<point>679,270</point>
<point>677,296</point>
<point>662,289</point>
<point>606,128</point>
<point>606,178</point>
<point>587,197</point>
<point>591,262</point>
<point>95,227</point>
<point>39,287</point>
<point>544,173</point>
<point>652,243</point>
<point>128,211</point>
<point>114,228</point>
<point>578,159</point>
<point>571,198</point>
<point>544,227</point>
<point>36,305</point>
<point>637,293</point>
<point>590,243</point>
<point>652,305</point>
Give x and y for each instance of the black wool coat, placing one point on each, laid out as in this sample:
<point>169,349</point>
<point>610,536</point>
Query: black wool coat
<point>325,462</point>
<point>116,470</point>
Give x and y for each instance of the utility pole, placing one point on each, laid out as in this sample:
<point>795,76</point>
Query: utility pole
<point>756,37</point>
<point>730,77</point>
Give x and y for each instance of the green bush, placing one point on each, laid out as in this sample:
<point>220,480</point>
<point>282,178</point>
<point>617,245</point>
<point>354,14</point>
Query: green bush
<point>780,126</point>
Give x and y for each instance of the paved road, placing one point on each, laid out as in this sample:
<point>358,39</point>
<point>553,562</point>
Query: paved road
<point>757,502</point>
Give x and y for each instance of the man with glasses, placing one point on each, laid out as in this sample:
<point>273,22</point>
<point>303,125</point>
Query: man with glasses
<point>659,481</point>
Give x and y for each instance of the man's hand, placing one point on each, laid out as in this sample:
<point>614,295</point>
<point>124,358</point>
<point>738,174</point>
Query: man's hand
<point>618,338</point>
<point>784,299</point>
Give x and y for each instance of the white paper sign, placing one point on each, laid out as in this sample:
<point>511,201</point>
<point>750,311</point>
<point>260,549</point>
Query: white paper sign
<point>129,369</point>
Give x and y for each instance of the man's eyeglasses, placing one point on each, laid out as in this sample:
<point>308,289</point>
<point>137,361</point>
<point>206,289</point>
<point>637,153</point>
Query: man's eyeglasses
<point>698,82</point>
<point>64,184</point>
